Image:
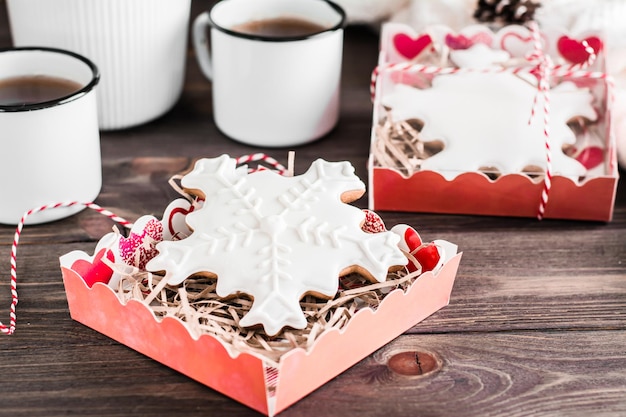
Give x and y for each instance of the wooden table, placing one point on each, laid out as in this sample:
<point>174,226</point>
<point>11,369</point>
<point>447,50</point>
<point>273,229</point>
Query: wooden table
<point>536,324</point>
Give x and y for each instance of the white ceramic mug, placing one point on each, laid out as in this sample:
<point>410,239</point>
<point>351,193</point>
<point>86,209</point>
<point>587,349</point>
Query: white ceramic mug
<point>270,91</point>
<point>139,46</point>
<point>49,151</point>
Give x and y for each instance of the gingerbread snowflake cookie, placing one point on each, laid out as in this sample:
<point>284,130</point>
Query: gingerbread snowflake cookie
<point>276,238</point>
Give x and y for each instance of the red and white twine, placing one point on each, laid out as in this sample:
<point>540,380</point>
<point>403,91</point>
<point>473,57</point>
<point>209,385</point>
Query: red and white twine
<point>273,163</point>
<point>18,231</point>
<point>541,67</point>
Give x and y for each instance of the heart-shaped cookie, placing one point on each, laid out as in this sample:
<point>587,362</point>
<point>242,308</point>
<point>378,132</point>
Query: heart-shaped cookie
<point>427,255</point>
<point>575,51</point>
<point>410,47</point>
<point>174,224</point>
<point>140,246</point>
<point>93,269</point>
<point>517,43</point>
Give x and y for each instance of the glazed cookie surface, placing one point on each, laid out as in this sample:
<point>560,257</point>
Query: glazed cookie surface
<point>276,238</point>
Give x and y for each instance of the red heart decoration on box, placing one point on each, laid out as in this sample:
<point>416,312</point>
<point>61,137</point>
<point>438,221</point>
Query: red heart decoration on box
<point>411,47</point>
<point>574,51</point>
<point>460,41</point>
<point>140,246</point>
<point>95,270</point>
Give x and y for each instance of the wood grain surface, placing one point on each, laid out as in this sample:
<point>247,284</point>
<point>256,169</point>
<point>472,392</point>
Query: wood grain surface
<point>536,325</point>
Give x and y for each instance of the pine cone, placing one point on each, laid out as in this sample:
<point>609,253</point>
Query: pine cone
<point>506,11</point>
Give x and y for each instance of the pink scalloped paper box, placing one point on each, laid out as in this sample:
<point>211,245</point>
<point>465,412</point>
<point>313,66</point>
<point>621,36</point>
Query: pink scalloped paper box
<point>411,82</point>
<point>248,378</point>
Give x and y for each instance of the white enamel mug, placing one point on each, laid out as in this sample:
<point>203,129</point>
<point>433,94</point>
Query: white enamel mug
<point>49,151</point>
<point>269,91</point>
<point>139,46</point>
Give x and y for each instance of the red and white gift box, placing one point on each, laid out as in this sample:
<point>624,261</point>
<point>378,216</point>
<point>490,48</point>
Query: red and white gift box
<point>100,297</point>
<point>249,377</point>
<point>547,61</point>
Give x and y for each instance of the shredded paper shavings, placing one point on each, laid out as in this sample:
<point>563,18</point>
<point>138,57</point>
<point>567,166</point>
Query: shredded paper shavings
<point>196,304</point>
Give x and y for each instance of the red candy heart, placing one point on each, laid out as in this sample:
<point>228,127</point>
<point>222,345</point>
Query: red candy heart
<point>428,256</point>
<point>411,47</point>
<point>96,270</point>
<point>575,51</point>
<point>412,239</point>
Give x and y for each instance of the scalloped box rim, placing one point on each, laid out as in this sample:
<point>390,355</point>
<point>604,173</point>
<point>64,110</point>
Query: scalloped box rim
<point>248,377</point>
<point>512,195</point>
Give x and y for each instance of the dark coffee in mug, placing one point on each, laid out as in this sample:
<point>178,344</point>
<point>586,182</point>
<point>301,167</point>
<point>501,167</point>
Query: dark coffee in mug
<point>32,89</point>
<point>279,27</point>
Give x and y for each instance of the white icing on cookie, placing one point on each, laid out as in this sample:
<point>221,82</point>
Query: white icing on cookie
<point>483,121</point>
<point>478,56</point>
<point>275,238</point>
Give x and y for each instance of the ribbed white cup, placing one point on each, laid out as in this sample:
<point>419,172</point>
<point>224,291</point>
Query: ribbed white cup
<point>139,46</point>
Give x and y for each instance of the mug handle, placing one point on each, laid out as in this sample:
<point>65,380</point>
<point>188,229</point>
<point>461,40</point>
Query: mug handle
<point>201,44</point>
